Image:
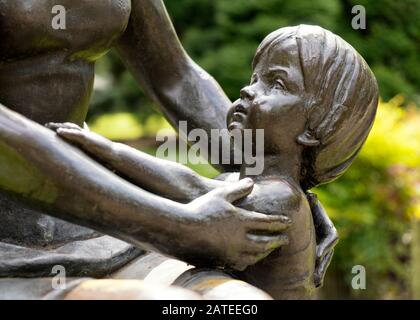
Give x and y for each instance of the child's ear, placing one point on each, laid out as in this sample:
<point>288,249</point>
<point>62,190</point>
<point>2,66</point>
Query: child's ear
<point>329,124</point>
<point>307,139</point>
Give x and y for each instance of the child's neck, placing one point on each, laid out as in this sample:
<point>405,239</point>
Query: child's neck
<point>286,166</point>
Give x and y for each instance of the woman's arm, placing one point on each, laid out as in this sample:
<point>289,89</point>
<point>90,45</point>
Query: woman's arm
<point>152,52</point>
<point>39,168</point>
<point>162,177</point>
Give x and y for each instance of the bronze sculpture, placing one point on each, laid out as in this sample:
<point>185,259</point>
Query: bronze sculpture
<point>304,119</point>
<point>49,77</point>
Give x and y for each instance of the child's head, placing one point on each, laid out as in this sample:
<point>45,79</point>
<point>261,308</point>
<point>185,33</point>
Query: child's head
<point>310,91</point>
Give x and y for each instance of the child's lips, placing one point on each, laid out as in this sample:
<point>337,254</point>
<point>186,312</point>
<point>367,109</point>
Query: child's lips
<point>237,121</point>
<point>238,116</point>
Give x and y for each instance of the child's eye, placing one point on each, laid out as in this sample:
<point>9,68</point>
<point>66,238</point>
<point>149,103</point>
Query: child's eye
<point>254,78</point>
<point>279,84</point>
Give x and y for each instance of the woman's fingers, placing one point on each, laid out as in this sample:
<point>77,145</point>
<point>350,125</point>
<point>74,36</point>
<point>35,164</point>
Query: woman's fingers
<point>260,222</point>
<point>265,243</point>
<point>237,190</point>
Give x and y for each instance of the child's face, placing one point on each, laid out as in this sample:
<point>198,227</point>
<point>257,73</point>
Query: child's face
<point>274,99</point>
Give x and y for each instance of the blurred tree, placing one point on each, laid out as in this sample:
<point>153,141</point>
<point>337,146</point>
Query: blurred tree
<point>224,42</point>
<point>415,268</point>
<point>115,90</point>
<point>390,43</point>
<point>372,205</point>
<point>222,36</point>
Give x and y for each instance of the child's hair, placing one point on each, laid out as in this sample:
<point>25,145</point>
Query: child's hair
<point>341,98</point>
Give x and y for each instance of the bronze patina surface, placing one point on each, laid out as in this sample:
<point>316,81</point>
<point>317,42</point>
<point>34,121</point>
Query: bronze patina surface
<point>311,92</point>
<point>315,98</point>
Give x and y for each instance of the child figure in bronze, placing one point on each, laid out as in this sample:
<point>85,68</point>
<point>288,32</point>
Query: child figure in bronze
<point>316,98</point>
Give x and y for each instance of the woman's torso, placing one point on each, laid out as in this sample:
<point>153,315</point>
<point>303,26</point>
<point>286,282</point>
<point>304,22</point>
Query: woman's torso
<point>47,75</point>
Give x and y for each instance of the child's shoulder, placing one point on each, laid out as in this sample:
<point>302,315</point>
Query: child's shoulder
<point>270,192</point>
<point>281,193</point>
<point>271,195</point>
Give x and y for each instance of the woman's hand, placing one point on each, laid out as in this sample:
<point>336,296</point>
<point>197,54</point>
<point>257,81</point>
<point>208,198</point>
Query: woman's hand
<point>237,237</point>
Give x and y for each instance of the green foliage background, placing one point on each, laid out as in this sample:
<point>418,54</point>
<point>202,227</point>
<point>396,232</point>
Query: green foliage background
<point>373,203</point>
<point>222,37</point>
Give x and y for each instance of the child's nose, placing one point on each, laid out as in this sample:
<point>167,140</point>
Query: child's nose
<point>247,93</point>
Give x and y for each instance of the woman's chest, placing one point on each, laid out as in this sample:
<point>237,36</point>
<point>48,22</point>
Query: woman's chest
<point>80,26</point>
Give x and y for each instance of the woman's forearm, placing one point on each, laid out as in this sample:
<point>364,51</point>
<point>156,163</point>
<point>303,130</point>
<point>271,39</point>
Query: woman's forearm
<point>41,169</point>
